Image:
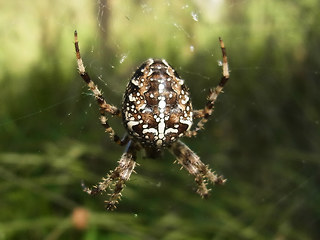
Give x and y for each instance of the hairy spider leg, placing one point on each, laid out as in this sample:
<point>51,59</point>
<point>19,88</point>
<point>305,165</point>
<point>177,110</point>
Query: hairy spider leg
<point>205,113</point>
<point>192,163</point>
<point>104,106</point>
<point>117,177</point>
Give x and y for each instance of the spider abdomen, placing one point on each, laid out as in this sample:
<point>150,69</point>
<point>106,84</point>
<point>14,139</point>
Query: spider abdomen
<point>156,107</point>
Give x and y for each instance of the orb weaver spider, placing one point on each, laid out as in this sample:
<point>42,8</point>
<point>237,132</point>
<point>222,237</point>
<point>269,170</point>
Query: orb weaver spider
<point>156,111</point>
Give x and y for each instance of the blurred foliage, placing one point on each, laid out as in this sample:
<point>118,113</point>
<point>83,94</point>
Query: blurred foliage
<point>264,136</point>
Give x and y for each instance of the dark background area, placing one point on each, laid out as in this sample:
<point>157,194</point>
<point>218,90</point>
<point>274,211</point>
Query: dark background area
<point>263,137</point>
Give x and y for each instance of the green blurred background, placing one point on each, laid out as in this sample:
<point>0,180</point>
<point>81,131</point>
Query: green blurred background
<point>264,136</point>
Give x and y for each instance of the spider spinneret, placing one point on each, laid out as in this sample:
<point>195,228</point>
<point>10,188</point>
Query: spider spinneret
<point>156,111</point>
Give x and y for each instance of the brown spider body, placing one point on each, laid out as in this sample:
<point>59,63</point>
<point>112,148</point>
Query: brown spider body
<point>156,108</point>
<point>156,112</point>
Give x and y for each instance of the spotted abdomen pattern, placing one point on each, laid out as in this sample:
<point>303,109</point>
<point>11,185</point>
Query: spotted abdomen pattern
<point>156,107</point>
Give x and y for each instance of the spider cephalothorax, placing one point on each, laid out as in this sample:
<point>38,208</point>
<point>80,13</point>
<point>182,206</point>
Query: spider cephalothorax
<point>156,112</point>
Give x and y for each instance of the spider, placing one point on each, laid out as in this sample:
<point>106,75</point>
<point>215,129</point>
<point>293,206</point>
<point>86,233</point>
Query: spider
<point>156,111</point>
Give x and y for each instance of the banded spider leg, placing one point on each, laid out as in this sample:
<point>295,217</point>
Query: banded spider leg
<point>117,177</point>
<point>192,163</point>
<point>205,113</point>
<point>104,106</point>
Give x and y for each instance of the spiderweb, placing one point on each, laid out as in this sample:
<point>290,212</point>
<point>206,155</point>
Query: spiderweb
<point>264,129</point>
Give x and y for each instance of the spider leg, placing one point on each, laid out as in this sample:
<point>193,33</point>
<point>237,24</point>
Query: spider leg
<point>109,129</point>
<point>192,163</point>
<point>205,113</point>
<point>104,106</point>
<point>118,176</point>
<point>85,76</point>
